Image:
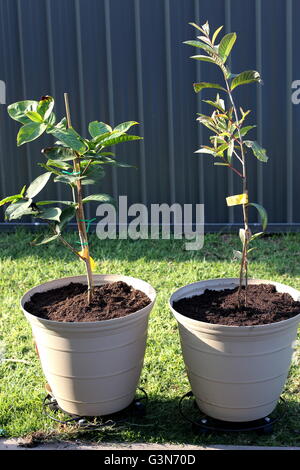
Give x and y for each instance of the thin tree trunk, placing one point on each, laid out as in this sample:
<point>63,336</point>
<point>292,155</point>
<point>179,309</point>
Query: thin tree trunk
<point>80,213</point>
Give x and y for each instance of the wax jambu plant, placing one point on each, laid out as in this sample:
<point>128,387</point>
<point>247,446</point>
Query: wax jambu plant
<point>228,125</point>
<point>73,160</point>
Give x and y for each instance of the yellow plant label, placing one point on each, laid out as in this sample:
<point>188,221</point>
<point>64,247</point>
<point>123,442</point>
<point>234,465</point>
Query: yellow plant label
<point>237,199</point>
<point>83,253</point>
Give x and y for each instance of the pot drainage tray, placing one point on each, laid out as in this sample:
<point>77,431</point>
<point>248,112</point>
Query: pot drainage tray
<point>137,409</point>
<point>207,424</point>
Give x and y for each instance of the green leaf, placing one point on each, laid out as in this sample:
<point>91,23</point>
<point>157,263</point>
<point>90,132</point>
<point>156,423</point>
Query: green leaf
<point>45,203</point>
<point>67,179</point>
<point>34,116</point>
<point>14,198</point>
<point>29,132</point>
<point>17,111</point>
<point>99,198</point>
<point>44,240</point>
<point>204,58</point>
<point>245,130</point>
<point>201,45</point>
<point>243,78</point>
<point>216,34</point>
<point>69,137</point>
<point>19,209</point>
<point>45,106</point>
<point>37,185</point>
<point>53,213</point>
<point>113,140</point>
<point>256,235</point>
<point>66,216</point>
<point>93,175</point>
<point>97,128</point>
<point>125,126</point>
<point>263,214</point>
<point>207,150</point>
<point>258,151</point>
<point>226,45</point>
<point>63,154</point>
<point>196,26</point>
<point>219,103</point>
<point>200,86</point>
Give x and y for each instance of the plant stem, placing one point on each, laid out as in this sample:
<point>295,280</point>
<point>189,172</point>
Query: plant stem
<point>244,262</point>
<point>80,213</point>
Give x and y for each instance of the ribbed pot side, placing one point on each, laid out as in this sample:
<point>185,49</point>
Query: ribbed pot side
<point>93,368</point>
<point>237,373</point>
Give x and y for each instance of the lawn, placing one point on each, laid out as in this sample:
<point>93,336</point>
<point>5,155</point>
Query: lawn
<point>167,266</point>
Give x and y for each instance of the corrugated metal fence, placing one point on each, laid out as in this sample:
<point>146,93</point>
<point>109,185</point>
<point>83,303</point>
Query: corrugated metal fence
<point>124,60</point>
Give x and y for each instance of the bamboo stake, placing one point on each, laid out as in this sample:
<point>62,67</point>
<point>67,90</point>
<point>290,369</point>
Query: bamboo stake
<point>80,218</point>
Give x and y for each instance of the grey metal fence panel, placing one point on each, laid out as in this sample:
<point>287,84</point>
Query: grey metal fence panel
<point>124,60</point>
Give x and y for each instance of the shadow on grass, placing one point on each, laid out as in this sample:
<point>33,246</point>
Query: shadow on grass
<point>279,251</point>
<point>163,423</point>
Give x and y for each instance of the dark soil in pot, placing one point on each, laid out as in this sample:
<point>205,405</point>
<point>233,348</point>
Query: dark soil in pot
<point>264,305</point>
<point>69,303</point>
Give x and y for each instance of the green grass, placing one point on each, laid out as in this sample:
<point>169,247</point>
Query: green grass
<point>167,266</point>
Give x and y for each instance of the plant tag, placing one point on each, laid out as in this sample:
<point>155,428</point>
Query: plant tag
<point>237,199</point>
<point>83,253</point>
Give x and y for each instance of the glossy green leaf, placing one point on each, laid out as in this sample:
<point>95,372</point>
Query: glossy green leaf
<point>125,126</point>
<point>29,132</point>
<point>66,216</point>
<point>202,85</point>
<point>258,151</point>
<point>201,45</point>
<point>204,58</point>
<point>226,45</point>
<point>206,150</point>
<point>45,203</point>
<point>256,235</point>
<point>44,240</point>
<point>69,137</point>
<point>34,116</point>
<point>53,213</point>
<point>17,111</point>
<point>67,179</point>
<point>262,212</point>
<point>216,33</point>
<point>114,140</point>
<point>245,130</point>
<point>99,198</point>
<point>97,128</point>
<point>8,199</point>
<point>244,78</point>
<point>93,175</point>
<point>37,185</point>
<point>45,106</point>
<point>63,154</point>
<point>19,209</point>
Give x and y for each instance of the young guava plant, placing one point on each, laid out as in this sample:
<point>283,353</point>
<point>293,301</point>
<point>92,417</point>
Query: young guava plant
<point>73,160</point>
<point>227,123</point>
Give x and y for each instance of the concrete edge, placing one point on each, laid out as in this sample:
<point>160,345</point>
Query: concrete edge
<point>22,444</point>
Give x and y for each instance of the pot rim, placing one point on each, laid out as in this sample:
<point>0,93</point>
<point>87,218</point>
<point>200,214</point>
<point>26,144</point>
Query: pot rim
<point>218,326</point>
<point>110,322</point>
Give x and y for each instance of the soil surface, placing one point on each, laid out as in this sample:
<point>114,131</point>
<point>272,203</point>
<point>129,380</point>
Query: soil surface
<point>69,303</point>
<point>264,305</point>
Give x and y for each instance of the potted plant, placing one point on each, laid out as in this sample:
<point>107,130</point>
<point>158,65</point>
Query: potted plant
<point>236,334</point>
<point>90,331</point>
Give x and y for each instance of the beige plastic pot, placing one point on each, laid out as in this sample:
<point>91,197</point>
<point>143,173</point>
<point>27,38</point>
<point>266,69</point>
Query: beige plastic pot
<point>237,373</point>
<point>93,368</point>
